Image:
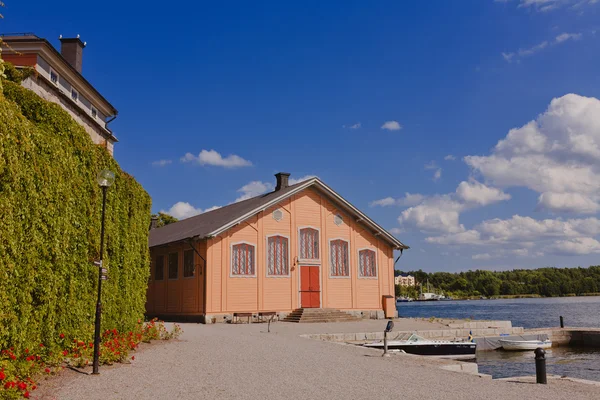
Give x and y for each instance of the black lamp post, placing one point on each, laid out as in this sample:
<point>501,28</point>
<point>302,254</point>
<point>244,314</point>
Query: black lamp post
<point>105,179</point>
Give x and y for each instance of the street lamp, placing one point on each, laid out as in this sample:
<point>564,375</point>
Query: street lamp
<point>105,179</point>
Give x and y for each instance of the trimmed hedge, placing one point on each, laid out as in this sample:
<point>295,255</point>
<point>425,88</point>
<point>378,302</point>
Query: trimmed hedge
<point>50,207</point>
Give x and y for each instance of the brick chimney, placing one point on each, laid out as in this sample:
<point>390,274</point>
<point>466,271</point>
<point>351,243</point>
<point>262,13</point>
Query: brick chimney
<point>72,50</point>
<point>282,180</point>
<point>153,222</point>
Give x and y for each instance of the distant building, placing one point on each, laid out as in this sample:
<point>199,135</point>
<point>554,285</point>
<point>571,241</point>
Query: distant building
<point>58,79</point>
<point>405,280</point>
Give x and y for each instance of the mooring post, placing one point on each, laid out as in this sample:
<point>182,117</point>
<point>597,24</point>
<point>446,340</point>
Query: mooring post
<point>385,349</point>
<point>562,322</point>
<point>540,366</point>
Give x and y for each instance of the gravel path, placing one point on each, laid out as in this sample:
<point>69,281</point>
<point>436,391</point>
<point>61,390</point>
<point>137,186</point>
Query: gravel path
<point>244,362</point>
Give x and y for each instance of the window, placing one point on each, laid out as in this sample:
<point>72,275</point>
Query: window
<point>242,259</point>
<point>94,112</point>
<point>188,263</point>
<point>173,265</point>
<point>309,244</point>
<point>53,76</point>
<point>338,251</point>
<point>278,215</point>
<point>159,268</point>
<point>338,220</point>
<point>367,266</point>
<point>277,256</point>
<point>74,94</point>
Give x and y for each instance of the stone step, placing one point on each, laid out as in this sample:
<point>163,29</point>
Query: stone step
<point>314,315</point>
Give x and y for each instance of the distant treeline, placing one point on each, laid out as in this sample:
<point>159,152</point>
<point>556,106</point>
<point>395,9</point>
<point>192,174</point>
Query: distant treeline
<point>547,282</point>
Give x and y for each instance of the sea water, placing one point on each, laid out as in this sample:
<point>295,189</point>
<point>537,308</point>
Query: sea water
<point>528,313</point>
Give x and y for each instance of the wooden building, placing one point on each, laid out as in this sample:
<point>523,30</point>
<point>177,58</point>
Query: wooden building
<point>300,246</point>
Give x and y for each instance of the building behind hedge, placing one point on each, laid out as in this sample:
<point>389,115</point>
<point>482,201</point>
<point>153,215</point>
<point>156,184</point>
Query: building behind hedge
<point>58,78</point>
<point>300,246</point>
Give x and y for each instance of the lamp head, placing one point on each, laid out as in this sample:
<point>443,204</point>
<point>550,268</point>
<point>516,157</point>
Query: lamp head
<point>105,178</point>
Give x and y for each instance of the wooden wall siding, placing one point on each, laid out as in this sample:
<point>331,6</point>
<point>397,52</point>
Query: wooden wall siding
<point>228,294</point>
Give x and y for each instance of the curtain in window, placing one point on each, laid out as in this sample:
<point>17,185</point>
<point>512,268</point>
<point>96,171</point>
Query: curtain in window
<point>339,258</point>
<point>188,263</point>
<point>367,265</point>
<point>277,256</point>
<point>242,259</point>
<point>309,244</point>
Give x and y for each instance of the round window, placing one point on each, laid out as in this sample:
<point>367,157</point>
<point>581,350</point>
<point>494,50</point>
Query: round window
<point>277,215</point>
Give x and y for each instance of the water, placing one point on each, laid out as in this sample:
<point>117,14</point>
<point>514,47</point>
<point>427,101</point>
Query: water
<point>528,313</point>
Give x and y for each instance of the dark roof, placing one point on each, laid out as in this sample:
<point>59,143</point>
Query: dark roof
<point>203,224</point>
<point>30,37</point>
<point>214,222</point>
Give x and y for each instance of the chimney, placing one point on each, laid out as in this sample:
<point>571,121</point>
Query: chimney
<point>282,180</point>
<point>153,222</point>
<point>72,50</point>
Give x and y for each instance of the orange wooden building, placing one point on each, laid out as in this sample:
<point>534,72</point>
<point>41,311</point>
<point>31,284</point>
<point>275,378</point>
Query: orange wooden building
<point>300,246</point>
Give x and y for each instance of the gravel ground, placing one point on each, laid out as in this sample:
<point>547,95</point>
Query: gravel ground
<point>245,362</point>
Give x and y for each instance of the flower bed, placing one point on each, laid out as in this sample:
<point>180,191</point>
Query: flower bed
<point>18,369</point>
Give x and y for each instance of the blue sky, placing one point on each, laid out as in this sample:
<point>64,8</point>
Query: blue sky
<point>378,99</point>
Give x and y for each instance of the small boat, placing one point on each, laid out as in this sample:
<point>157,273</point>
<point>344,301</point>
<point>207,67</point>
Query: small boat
<point>519,345</point>
<point>418,345</point>
<point>403,300</point>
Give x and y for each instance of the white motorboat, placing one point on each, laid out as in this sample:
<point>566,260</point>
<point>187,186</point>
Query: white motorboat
<point>520,345</point>
<point>416,344</point>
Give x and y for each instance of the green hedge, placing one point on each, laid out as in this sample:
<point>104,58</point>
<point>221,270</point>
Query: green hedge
<point>50,208</point>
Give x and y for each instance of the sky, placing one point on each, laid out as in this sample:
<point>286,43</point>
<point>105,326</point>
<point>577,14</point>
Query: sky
<point>469,129</point>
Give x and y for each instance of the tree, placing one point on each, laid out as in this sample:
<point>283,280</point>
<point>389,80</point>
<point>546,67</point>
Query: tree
<point>164,219</point>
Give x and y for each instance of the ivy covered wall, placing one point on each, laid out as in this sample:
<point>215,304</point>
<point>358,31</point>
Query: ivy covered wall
<point>50,206</point>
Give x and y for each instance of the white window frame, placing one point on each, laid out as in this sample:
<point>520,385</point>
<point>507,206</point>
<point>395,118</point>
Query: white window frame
<point>94,112</point>
<point>52,70</point>
<point>330,261</point>
<point>309,261</point>
<point>76,99</point>
<point>231,274</point>
<point>193,264</point>
<point>360,276</point>
<point>267,256</point>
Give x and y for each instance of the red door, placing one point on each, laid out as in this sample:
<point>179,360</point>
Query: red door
<point>310,287</point>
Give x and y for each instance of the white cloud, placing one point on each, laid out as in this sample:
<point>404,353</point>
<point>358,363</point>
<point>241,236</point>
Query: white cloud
<point>567,36</point>
<point>396,231</point>
<point>212,157</point>
<point>161,163</point>
<point>353,126</point>
<point>435,214</point>
<point>409,199</point>
<point>567,203</point>
<point>574,247</point>
<point>183,210</point>
<point>557,155</point>
<point>450,157</point>
<point>524,52</point>
<point>293,181</point>
<point>478,193</point>
<point>253,189</point>
<point>484,256</point>
<point>438,171</point>
<point>391,126</point>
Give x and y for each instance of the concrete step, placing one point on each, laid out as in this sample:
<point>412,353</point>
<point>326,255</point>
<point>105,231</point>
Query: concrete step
<point>313,315</point>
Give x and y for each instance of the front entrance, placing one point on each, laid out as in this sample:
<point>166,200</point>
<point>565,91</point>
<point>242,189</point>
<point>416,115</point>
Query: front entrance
<point>310,287</point>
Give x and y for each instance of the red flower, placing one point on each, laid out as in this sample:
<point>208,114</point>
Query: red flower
<point>2,376</point>
<point>41,344</point>
<point>26,395</point>
<point>22,385</point>
<point>26,350</point>
<point>65,353</point>
<point>62,336</point>
<point>47,370</point>
<point>12,356</point>
<point>133,357</point>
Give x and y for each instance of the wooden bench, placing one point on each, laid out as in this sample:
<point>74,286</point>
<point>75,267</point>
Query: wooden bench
<point>238,315</point>
<point>270,314</point>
